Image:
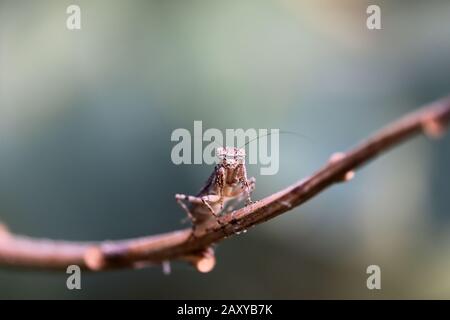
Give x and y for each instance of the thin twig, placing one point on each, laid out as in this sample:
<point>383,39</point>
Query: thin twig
<point>181,245</point>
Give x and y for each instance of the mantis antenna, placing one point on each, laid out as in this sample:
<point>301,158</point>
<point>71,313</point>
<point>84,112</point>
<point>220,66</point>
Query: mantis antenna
<point>279,132</point>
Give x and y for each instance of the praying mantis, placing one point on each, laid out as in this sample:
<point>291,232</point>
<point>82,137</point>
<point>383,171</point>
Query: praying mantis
<point>227,182</point>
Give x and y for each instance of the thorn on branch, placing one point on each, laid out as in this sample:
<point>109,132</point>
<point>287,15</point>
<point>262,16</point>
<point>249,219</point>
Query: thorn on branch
<point>204,261</point>
<point>336,157</point>
<point>433,127</point>
<point>94,258</point>
<point>4,231</point>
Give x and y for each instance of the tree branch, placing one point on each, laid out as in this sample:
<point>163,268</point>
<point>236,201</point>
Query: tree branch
<point>181,245</point>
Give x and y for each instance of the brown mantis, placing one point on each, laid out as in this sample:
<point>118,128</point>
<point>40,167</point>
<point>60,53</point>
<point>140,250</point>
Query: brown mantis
<point>227,182</point>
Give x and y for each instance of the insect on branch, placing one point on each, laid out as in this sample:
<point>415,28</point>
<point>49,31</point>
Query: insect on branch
<point>20,251</point>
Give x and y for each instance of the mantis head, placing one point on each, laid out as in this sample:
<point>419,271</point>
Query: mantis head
<point>231,157</point>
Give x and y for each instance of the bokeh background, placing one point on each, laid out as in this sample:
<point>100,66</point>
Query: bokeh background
<point>86,118</point>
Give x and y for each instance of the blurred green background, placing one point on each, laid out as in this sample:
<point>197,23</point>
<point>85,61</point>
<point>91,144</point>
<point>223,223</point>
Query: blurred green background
<point>86,118</point>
